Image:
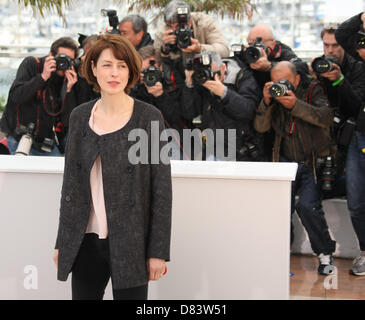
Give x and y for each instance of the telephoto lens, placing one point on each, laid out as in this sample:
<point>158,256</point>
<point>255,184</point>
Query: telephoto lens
<point>329,174</point>
<point>26,141</point>
<point>323,64</point>
<point>252,54</point>
<point>281,88</point>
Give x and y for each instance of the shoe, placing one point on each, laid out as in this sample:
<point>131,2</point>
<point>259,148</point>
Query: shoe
<point>358,266</point>
<point>326,266</point>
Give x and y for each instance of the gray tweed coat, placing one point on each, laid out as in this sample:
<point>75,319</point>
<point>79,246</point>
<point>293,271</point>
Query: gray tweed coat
<point>138,197</point>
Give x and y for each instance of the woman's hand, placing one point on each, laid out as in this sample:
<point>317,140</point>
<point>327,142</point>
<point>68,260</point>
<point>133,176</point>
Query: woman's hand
<point>156,268</point>
<point>55,257</point>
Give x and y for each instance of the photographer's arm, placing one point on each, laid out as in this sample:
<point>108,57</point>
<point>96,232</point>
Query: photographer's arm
<point>191,98</point>
<point>169,105</point>
<point>241,105</point>
<point>262,120</point>
<point>352,91</point>
<point>214,39</point>
<point>346,34</point>
<point>27,82</point>
<point>318,112</point>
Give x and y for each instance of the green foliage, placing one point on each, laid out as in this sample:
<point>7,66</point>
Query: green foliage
<point>236,9</point>
<point>47,5</point>
<point>2,103</point>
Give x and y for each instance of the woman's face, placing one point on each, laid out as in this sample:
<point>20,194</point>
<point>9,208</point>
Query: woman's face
<point>112,74</point>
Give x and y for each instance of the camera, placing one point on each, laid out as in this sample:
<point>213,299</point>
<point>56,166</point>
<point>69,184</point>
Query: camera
<point>281,88</point>
<point>253,52</point>
<point>63,62</point>
<point>327,169</point>
<point>113,20</point>
<point>152,74</point>
<point>249,151</point>
<point>323,64</point>
<point>360,39</point>
<point>238,50</point>
<point>183,33</point>
<point>26,140</point>
<point>201,64</point>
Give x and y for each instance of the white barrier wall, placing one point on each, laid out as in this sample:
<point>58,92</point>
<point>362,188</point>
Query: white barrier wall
<point>230,230</point>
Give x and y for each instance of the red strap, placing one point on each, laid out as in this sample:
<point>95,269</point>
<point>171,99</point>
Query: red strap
<point>173,79</point>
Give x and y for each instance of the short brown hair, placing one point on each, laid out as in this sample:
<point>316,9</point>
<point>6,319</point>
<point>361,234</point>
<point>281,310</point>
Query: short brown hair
<point>148,52</point>
<point>122,49</point>
<point>330,28</point>
<point>65,42</point>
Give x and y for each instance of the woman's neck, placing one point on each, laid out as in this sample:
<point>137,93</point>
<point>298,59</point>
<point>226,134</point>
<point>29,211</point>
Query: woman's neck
<point>114,104</point>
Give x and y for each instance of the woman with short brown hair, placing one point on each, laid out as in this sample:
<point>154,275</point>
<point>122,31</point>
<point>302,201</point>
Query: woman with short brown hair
<point>115,216</point>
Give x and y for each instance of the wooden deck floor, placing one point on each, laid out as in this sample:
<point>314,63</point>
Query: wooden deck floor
<point>308,284</point>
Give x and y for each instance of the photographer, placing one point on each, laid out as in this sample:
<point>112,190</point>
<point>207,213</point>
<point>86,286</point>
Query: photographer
<point>184,34</point>
<point>297,110</point>
<point>42,95</point>
<point>343,78</point>
<point>350,35</point>
<point>156,89</point>
<point>226,98</point>
<point>261,55</point>
<point>271,52</point>
<point>134,28</point>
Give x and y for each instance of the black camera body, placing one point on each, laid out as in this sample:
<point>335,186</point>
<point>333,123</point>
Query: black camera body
<point>253,52</point>
<point>323,64</point>
<point>152,75</point>
<point>281,88</point>
<point>113,20</point>
<point>360,39</point>
<point>326,167</point>
<point>201,64</point>
<point>63,62</point>
<point>183,33</point>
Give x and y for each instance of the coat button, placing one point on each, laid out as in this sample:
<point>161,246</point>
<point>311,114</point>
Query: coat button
<point>78,165</point>
<point>68,198</point>
<point>129,169</point>
<point>131,202</point>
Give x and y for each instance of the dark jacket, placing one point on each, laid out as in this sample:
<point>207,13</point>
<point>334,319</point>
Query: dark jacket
<point>346,35</point>
<point>348,97</point>
<point>138,197</point>
<point>311,130</point>
<point>23,96</point>
<point>146,41</point>
<point>281,52</point>
<point>235,111</point>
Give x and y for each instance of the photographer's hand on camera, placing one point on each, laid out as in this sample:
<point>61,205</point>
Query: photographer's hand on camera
<point>333,75</point>
<point>266,93</point>
<point>311,71</point>
<point>263,64</point>
<point>195,47</point>
<point>49,67</point>
<point>156,90</point>
<point>168,37</point>
<point>215,86</point>
<point>288,101</point>
<point>71,77</point>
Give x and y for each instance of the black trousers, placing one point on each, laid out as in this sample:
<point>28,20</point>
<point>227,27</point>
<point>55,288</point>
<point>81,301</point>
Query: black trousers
<point>91,273</point>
